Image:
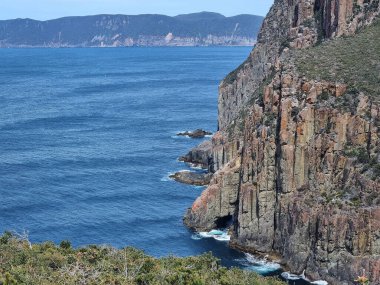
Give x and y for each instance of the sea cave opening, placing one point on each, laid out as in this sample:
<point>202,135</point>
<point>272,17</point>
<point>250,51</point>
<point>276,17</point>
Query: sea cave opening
<point>224,222</point>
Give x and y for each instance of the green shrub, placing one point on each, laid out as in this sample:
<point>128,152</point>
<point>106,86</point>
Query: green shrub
<point>65,244</point>
<point>356,201</point>
<point>324,96</point>
<point>4,239</point>
<point>363,155</point>
<point>376,171</point>
<point>49,264</point>
<point>9,280</point>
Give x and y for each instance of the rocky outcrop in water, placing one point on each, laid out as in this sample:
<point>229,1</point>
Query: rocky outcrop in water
<point>192,178</point>
<point>200,156</point>
<point>196,134</point>
<point>296,157</point>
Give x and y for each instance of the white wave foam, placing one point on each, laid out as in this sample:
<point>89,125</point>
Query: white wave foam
<point>290,276</point>
<point>195,166</point>
<point>260,265</point>
<point>223,238</point>
<point>204,235</point>
<point>167,178</point>
<point>319,282</point>
<point>215,234</point>
<point>179,137</point>
<point>199,187</point>
<point>196,237</point>
<point>176,136</point>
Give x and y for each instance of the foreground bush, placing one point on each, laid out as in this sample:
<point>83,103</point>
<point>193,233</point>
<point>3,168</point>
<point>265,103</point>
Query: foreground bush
<point>47,263</point>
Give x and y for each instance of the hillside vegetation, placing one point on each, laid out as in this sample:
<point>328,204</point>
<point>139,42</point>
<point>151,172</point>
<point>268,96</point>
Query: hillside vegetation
<point>48,264</point>
<point>351,60</point>
<point>128,30</point>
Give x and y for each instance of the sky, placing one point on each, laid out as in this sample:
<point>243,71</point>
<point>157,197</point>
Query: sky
<point>51,9</point>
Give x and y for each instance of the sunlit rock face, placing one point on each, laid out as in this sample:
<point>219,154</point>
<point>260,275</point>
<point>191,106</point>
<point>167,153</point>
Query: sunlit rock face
<point>290,161</point>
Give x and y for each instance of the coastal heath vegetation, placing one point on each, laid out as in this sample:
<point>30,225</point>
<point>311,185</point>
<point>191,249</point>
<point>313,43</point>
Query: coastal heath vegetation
<point>47,263</point>
<point>353,60</point>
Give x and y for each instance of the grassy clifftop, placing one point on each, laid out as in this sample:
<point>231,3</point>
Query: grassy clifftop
<point>48,264</point>
<point>351,60</point>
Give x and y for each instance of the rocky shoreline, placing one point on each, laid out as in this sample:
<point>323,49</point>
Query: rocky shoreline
<point>196,134</point>
<point>192,178</point>
<point>200,156</point>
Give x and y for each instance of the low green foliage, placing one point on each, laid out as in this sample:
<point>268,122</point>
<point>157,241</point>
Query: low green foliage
<point>324,96</point>
<point>269,119</point>
<point>48,264</point>
<point>351,60</point>
<point>369,162</point>
<point>356,201</point>
<point>360,153</point>
<point>349,101</point>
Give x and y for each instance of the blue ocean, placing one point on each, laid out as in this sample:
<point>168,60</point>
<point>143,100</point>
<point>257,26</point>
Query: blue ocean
<point>88,139</point>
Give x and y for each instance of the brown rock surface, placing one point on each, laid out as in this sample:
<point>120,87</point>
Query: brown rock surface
<point>291,165</point>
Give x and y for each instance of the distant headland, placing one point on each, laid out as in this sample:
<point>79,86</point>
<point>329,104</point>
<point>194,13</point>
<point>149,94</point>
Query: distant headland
<point>197,29</point>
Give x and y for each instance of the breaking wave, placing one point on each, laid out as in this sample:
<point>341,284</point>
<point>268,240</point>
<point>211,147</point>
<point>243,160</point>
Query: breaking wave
<point>260,265</point>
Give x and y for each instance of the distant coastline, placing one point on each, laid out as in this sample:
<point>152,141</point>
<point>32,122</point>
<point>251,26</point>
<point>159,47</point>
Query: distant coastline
<point>151,42</point>
<point>199,29</point>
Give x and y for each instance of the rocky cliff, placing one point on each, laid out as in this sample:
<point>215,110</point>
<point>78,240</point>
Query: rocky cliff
<point>296,158</point>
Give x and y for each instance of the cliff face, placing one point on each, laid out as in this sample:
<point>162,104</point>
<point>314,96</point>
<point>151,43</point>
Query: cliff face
<point>290,23</point>
<point>297,155</point>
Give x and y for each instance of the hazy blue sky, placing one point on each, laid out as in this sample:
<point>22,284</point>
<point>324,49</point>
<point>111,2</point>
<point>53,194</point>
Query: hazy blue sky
<point>49,9</point>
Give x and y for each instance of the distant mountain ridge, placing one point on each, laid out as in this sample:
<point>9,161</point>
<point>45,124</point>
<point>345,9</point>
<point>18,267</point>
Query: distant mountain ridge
<point>197,29</point>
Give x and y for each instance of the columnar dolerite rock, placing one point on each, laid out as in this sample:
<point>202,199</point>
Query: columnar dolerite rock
<point>296,158</point>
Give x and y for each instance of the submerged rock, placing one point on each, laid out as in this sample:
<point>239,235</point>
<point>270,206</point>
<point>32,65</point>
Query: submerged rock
<point>192,178</point>
<point>196,134</point>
